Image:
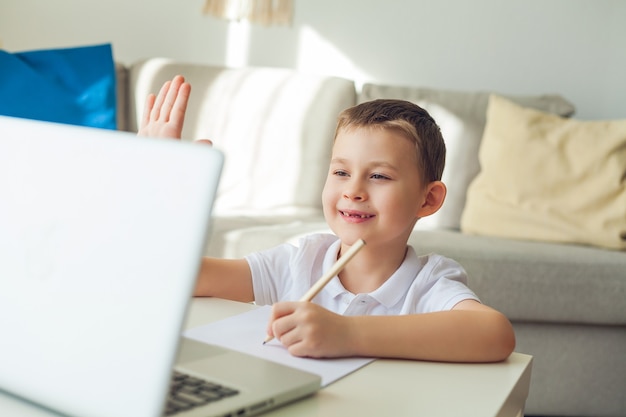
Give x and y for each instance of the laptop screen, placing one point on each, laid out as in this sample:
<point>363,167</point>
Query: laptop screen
<point>101,236</point>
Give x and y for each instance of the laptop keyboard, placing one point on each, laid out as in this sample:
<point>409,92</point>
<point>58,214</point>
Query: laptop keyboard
<point>187,392</point>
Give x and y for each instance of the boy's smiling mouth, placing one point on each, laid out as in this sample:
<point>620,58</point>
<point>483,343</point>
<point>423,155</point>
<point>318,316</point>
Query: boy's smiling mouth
<point>355,214</point>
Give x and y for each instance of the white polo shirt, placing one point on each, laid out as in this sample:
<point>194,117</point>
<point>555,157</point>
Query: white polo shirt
<point>421,284</point>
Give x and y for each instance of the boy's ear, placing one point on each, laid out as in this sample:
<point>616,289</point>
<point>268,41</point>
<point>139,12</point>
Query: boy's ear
<point>434,196</point>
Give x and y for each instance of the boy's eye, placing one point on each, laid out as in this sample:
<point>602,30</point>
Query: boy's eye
<point>340,173</point>
<point>379,177</point>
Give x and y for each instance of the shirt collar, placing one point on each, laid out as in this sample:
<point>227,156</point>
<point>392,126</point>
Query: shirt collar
<point>397,286</point>
<point>391,292</point>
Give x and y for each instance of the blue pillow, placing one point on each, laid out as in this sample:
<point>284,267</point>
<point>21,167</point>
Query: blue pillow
<point>72,85</point>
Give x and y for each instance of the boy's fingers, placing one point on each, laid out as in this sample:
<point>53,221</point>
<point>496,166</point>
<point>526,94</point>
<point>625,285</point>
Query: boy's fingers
<point>176,106</point>
<point>156,109</point>
<point>279,310</point>
<point>174,98</point>
<point>147,109</point>
<point>283,308</point>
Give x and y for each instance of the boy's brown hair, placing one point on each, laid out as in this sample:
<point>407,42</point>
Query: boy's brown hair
<point>407,119</point>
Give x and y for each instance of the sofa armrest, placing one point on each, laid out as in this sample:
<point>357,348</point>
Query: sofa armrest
<point>121,80</point>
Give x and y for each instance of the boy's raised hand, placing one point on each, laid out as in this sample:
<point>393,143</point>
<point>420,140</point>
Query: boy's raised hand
<point>164,114</point>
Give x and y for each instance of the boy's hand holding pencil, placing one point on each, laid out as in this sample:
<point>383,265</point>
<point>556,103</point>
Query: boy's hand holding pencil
<point>332,272</point>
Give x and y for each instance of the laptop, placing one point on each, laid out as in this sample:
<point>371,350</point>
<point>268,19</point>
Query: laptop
<point>101,237</point>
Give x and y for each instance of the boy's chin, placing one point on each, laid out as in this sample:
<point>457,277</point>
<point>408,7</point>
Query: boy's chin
<point>350,237</point>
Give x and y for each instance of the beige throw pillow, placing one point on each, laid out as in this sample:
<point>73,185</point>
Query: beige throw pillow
<point>547,178</point>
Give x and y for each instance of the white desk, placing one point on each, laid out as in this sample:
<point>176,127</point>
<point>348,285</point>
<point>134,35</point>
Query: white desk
<point>383,387</point>
<point>404,388</point>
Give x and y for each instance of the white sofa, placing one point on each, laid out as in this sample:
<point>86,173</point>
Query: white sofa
<point>567,301</point>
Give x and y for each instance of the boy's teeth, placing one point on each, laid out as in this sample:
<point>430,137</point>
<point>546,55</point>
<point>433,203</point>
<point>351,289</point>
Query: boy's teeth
<point>363,216</point>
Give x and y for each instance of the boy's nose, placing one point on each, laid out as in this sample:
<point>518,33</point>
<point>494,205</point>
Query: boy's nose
<point>353,197</point>
<point>354,192</point>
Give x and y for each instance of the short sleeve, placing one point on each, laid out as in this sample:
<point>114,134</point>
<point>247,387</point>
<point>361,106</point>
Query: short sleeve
<point>271,273</point>
<point>440,285</point>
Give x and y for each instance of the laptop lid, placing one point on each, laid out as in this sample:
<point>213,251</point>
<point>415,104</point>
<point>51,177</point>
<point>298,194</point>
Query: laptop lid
<point>101,236</point>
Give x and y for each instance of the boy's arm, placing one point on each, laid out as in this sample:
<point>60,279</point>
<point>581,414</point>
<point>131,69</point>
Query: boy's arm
<point>471,332</point>
<point>164,116</point>
<point>225,278</point>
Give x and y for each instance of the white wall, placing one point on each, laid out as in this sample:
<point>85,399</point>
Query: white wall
<point>576,48</point>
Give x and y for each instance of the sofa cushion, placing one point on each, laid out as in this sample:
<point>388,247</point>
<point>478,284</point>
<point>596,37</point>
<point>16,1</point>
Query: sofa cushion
<point>64,85</point>
<point>537,281</point>
<point>461,117</point>
<point>547,178</point>
<point>274,125</point>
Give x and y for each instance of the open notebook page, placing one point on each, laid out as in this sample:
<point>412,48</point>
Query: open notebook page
<point>245,333</point>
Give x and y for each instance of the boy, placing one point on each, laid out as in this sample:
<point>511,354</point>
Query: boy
<point>385,171</point>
